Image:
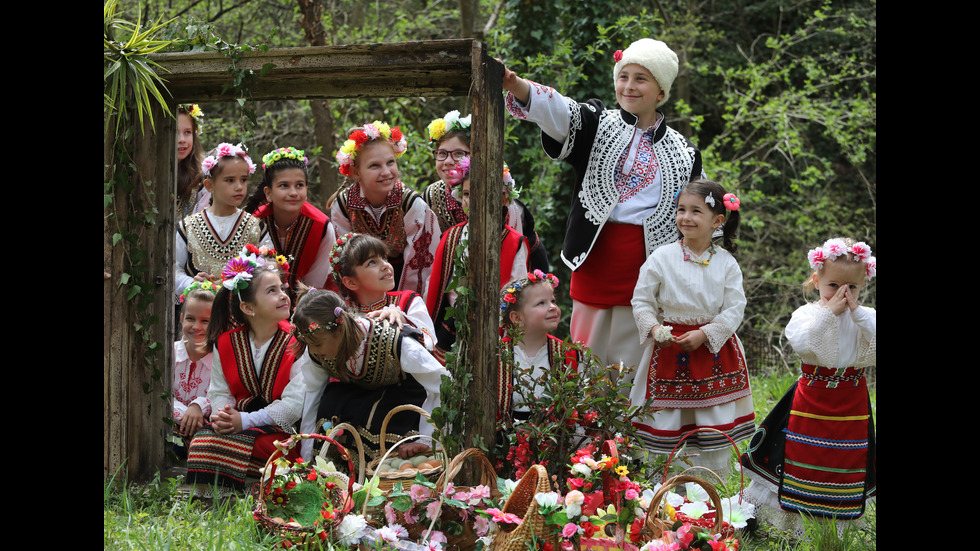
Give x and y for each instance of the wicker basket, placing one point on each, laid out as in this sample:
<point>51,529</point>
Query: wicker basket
<point>488,477</point>
<point>655,526</point>
<point>522,504</point>
<point>334,433</point>
<point>389,479</point>
<point>299,534</point>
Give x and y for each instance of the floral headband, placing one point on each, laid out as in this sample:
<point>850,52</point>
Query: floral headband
<point>338,313</point>
<point>226,150</point>
<point>438,128</point>
<point>194,112</point>
<point>337,251</point>
<point>462,169</point>
<point>369,132</point>
<point>263,256</point>
<point>512,292</point>
<point>237,273</point>
<point>833,248</point>
<point>271,157</point>
<point>206,285</point>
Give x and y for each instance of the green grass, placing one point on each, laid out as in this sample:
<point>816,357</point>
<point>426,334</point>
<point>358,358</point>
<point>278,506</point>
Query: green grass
<point>156,516</point>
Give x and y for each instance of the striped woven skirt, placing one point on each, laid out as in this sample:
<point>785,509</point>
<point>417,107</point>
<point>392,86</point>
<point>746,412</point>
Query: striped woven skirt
<point>229,459</point>
<point>818,444</point>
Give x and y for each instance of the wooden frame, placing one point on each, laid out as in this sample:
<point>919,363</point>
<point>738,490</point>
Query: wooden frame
<point>134,426</point>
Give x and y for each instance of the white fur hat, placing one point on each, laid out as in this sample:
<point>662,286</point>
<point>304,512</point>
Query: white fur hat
<point>656,57</point>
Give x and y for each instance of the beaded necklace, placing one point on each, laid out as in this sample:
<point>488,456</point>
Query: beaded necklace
<point>689,256</point>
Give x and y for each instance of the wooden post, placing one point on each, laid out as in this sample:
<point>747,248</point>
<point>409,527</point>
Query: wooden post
<point>135,414</point>
<point>486,145</point>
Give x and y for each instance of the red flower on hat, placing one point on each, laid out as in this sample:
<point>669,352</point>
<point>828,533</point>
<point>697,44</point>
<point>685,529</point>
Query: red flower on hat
<point>618,56</point>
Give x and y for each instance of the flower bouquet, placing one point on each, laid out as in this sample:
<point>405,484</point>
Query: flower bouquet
<point>314,498</point>
<point>686,537</point>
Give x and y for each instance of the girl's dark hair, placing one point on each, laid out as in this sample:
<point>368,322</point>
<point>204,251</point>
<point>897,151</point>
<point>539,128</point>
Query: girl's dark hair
<point>202,295</point>
<point>703,188</point>
<point>226,312</point>
<point>318,306</point>
<point>356,251</point>
<point>463,135</point>
<point>189,170</point>
<point>257,199</point>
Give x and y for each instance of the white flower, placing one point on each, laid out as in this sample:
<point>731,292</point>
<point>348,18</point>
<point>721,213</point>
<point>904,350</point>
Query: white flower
<point>737,514</point>
<point>674,500</point>
<point>582,469</point>
<point>696,493</point>
<point>549,499</point>
<point>351,530</point>
<point>466,121</point>
<point>695,510</point>
<point>663,333</point>
<point>451,118</point>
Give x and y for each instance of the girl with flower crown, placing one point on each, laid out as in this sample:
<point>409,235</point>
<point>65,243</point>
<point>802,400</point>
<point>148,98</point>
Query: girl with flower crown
<point>299,230</point>
<point>207,240</point>
<point>450,136</point>
<point>629,165</point>
<point>815,453</point>
<point>375,201</point>
<point>688,303</point>
<point>367,281</point>
<point>192,364</point>
<point>529,314</point>
<point>358,369</point>
<point>513,258</point>
<point>191,195</point>
<point>257,384</point>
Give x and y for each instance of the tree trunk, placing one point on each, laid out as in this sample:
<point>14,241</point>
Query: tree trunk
<point>310,11</point>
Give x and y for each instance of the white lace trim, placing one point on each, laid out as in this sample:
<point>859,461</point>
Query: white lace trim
<point>599,195</point>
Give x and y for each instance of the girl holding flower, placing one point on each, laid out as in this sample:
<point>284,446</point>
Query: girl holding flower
<point>257,385</point>
<point>374,201</point>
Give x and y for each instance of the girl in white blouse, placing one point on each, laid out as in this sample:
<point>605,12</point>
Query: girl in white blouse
<point>688,302</point>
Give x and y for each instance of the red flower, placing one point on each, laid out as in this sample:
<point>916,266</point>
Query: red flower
<point>311,476</point>
<point>590,529</point>
<point>359,137</point>
<point>290,485</point>
<point>618,55</point>
<point>323,535</point>
<point>636,530</point>
<point>328,514</point>
<point>396,134</point>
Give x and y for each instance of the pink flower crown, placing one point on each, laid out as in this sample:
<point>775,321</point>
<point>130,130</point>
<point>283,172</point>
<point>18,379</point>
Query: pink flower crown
<point>833,248</point>
<point>226,150</point>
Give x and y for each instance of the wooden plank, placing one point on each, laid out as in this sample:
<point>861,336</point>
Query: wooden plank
<point>486,183</point>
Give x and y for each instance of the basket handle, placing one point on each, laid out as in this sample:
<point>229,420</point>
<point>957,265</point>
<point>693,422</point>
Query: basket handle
<point>657,500</point>
<point>333,433</point>
<point>283,447</point>
<point>394,410</point>
<point>442,497</point>
<point>741,470</point>
<point>488,476</point>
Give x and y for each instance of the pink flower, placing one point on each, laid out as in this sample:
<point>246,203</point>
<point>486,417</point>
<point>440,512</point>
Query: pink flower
<point>481,526</point>
<point>497,515</point>
<point>569,530</point>
<point>450,489</point>
<point>418,492</point>
<point>480,492</point>
<point>410,517</point>
<point>432,510</point>
<point>632,494</point>
<point>816,258</point>
<point>438,537</point>
<point>872,266</point>
<point>618,56</point>
<point>390,514</point>
<point>861,250</point>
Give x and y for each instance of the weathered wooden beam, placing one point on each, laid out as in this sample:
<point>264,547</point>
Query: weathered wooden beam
<point>486,185</point>
<point>433,68</point>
